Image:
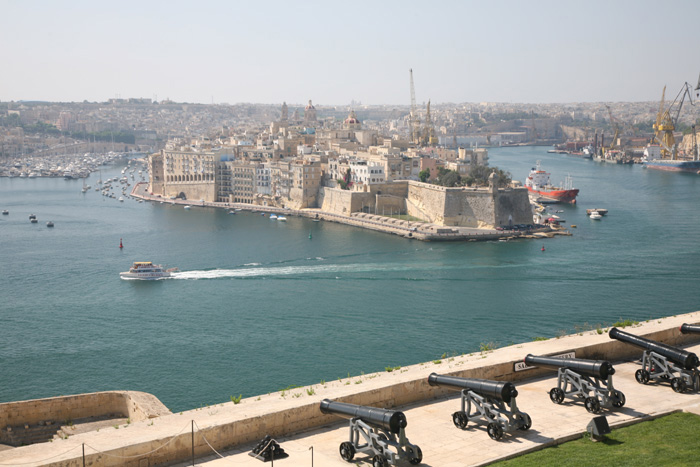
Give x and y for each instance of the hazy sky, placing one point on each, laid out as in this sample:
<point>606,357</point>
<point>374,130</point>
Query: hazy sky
<point>260,51</point>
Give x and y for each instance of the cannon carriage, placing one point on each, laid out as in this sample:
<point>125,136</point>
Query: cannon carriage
<point>492,402</point>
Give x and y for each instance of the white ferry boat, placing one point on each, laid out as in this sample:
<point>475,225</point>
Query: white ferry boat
<point>146,270</point>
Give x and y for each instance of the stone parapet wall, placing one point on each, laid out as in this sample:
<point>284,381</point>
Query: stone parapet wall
<point>126,404</point>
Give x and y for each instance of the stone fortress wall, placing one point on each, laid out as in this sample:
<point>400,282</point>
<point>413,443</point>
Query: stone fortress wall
<point>459,207</point>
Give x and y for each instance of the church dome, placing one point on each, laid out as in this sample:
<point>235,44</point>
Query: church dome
<point>310,106</point>
<point>352,119</point>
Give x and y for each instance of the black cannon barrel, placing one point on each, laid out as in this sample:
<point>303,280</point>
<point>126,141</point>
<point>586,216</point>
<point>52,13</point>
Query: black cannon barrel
<point>690,328</point>
<point>687,360</point>
<point>501,390</point>
<point>597,368</point>
<point>391,420</point>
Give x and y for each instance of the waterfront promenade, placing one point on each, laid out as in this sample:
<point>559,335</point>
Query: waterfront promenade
<point>293,417</point>
<point>409,229</point>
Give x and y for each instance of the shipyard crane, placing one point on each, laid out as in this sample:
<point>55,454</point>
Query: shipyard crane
<point>613,122</point>
<point>414,122</point>
<point>666,121</point>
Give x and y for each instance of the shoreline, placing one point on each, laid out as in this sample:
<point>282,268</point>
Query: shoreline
<point>408,229</point>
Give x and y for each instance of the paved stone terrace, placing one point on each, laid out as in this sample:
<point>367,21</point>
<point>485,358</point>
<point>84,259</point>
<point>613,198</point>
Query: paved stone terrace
<point>430,426</point>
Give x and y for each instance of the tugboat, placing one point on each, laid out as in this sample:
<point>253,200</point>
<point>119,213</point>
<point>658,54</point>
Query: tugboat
<point>542,191</point>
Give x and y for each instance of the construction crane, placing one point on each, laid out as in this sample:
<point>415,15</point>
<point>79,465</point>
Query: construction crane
<point>615,125</point>
<point>666,121</point>
<point>414,122</point>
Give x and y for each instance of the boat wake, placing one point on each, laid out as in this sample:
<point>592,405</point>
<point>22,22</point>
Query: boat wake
<point>285,271</point>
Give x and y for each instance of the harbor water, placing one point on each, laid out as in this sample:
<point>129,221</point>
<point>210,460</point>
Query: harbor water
<point>261,305</point>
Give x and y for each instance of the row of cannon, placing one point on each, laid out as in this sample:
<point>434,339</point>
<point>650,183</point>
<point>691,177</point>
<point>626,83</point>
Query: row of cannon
<point>380,433</point>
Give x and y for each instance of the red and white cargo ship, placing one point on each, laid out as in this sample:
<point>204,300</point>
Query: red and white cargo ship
<point>542,191</point>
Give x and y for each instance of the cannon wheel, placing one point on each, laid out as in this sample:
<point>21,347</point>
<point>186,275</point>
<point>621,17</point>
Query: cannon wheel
<point>415,457</point>
<point>347,451</point>
<point>379,461</point>
<point>460,420</point>
<point>619,399</point>
<point>642,376</point>
<point>526,422</point>
<point>592,404</point>
<point>678,385</point>
<point>557,395</point>
<point>495,431</point>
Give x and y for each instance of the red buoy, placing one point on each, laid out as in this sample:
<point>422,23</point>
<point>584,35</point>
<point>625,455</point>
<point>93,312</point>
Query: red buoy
<point>122,246</point>
<point>542,247</point>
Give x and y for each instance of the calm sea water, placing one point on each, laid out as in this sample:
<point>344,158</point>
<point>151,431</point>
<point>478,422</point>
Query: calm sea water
<point>260,306</point>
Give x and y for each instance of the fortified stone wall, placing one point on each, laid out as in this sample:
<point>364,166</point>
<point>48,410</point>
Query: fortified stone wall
<point>194,191</point>
<point>468,207</point>
<point>513,202</point>
<point>399,189</point>
<point>343,202</point>
<point>126,404</point>
<point>390,204</point>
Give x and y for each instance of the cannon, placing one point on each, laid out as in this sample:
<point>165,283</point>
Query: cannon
<point>663,362</point>
<point>376,432</point>
<point>582,379</point>
<point>489,399</point>
<point>690,328</point>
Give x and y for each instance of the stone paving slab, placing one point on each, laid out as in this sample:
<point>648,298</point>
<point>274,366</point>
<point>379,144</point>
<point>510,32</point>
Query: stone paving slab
<point>430,426</point>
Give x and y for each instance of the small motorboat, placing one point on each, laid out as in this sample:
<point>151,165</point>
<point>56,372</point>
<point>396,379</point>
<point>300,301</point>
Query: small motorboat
<point>32,216</point>
<point>33,220</point>
<point>121,199</point>
<point>5,212</point>
<point>188,207</point>
<point>232,211</point>
<point>602,212</point>
<point>49,224</point>
<point>595,215</point>
<point>273,216</point>
<point>281,218</point>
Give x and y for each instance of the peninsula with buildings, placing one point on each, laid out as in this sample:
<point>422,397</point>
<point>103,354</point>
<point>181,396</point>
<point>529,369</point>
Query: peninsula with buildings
<point>344,173</point>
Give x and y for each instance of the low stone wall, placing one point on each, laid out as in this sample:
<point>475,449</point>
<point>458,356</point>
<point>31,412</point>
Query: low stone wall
<point>125,404</point>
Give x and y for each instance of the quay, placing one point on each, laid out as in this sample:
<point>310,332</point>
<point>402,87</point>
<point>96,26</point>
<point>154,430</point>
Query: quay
<point>224,434</point>
<point>409,229</point>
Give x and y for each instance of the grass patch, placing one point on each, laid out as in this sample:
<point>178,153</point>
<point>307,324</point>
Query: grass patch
<point>623,324</point>
<point>671,440</point>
